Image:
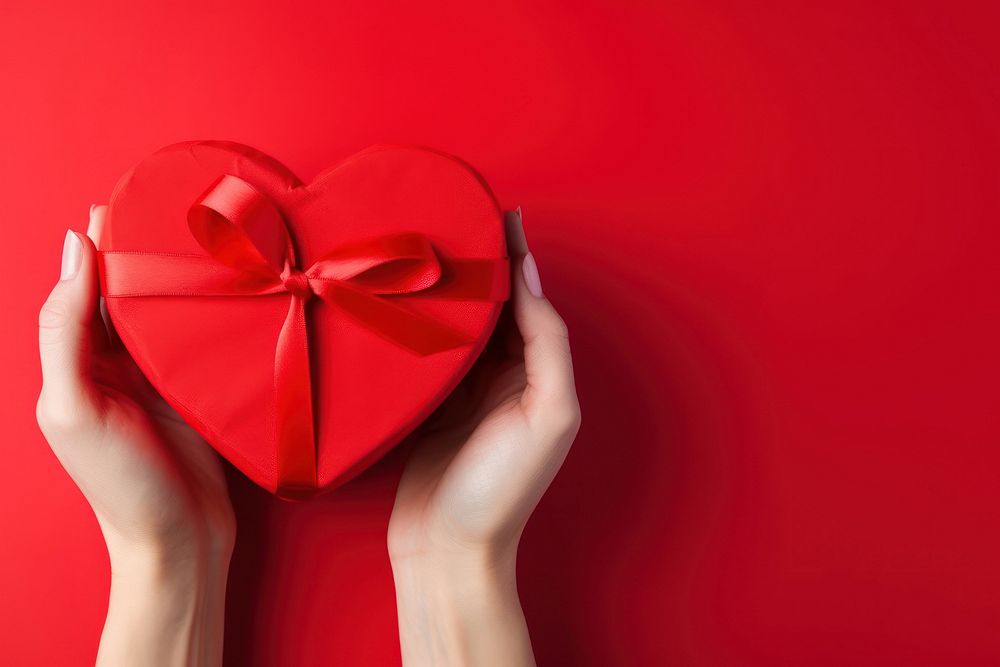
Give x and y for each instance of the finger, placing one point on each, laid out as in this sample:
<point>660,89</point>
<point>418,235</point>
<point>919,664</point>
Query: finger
<point>95,230</point>
<point>95,226</point>
<point>547,360</point>
<point>65,322</point>
<point>506,329</point>
<point>517,244</point>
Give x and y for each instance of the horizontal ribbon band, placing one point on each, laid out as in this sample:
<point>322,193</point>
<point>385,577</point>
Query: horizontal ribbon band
<point>250,253</point>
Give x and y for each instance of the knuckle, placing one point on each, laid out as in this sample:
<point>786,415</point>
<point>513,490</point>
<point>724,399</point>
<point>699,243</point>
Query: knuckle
<point>56,419</point>
<point>53,317</point>
<point>563,416</point>
<point>572,416</point>
<point>559,328</point>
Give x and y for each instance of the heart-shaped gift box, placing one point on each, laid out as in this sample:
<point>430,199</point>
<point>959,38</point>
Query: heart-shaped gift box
<point>303,329</point>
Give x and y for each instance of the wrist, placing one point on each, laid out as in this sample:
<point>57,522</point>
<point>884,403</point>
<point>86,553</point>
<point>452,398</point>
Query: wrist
<point>167,574</point>
<point>164,561</point>
<point>185,549</point>
<point>460,607</point>
<point>166,605</point>
<point>456,577</point>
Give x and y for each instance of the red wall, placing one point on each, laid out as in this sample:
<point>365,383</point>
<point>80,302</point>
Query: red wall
<point>772,229</point>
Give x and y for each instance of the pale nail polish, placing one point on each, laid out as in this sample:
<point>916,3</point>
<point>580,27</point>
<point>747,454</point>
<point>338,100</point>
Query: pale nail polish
<point>531,277</point>
<point>72,253</point>
<point>516,243</point>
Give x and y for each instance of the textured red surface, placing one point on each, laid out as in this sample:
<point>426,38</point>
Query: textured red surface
<point>772,228</point>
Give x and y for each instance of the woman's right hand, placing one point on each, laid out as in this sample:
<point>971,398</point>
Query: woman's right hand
<point>478,470</point>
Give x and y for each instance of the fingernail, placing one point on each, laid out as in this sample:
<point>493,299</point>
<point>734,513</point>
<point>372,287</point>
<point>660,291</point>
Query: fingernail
<point>72,252</point>
<point>531,278</point>
<point>516,243</point>
<point>92,207</point>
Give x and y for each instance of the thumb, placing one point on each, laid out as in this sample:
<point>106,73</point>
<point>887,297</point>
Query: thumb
<point>551,390</point>
<point>64,325</point>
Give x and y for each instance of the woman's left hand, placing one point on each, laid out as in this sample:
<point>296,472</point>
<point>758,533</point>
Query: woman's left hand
<point>156,487</point>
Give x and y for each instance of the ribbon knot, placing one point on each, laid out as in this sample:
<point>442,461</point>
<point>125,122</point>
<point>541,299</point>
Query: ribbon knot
<point>250,253</point>
<point>296,282</point>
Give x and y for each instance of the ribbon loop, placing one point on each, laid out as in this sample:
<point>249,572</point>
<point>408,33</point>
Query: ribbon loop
<point>240,227</point>
<point>397,264</point>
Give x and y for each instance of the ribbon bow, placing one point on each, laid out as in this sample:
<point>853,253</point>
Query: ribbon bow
<point>250,253</point>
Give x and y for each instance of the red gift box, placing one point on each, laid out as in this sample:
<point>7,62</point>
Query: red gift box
<point>303,330</point>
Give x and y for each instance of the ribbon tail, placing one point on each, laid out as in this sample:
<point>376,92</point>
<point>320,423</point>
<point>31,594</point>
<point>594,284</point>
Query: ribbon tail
<point>470,280</point>
<point>297,477</point>
<point>418,333</point>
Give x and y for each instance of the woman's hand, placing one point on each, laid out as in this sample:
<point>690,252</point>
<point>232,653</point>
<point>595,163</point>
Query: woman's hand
<point>156,487</point>
<point>479,468</point>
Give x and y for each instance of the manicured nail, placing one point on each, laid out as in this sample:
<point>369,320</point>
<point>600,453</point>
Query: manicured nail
<point>531,278</point>
<point>72,252</point>
<point>516,243</point>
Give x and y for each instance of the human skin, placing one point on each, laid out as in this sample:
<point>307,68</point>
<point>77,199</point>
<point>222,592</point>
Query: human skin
<point>478,469</point>
<point>477,472</point>
<point>156,487</point>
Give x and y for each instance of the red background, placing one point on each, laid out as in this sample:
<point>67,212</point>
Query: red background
<point>771,228</point>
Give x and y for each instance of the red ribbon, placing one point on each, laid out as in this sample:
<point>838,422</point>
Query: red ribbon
<point>250,253</point>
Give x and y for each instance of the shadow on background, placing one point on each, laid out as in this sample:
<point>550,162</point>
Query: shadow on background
<point>622,533</point>
<point>625,531</point>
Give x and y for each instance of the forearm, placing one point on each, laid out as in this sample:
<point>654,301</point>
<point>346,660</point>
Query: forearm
<point>460,610</point>
<point>164,610</point>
